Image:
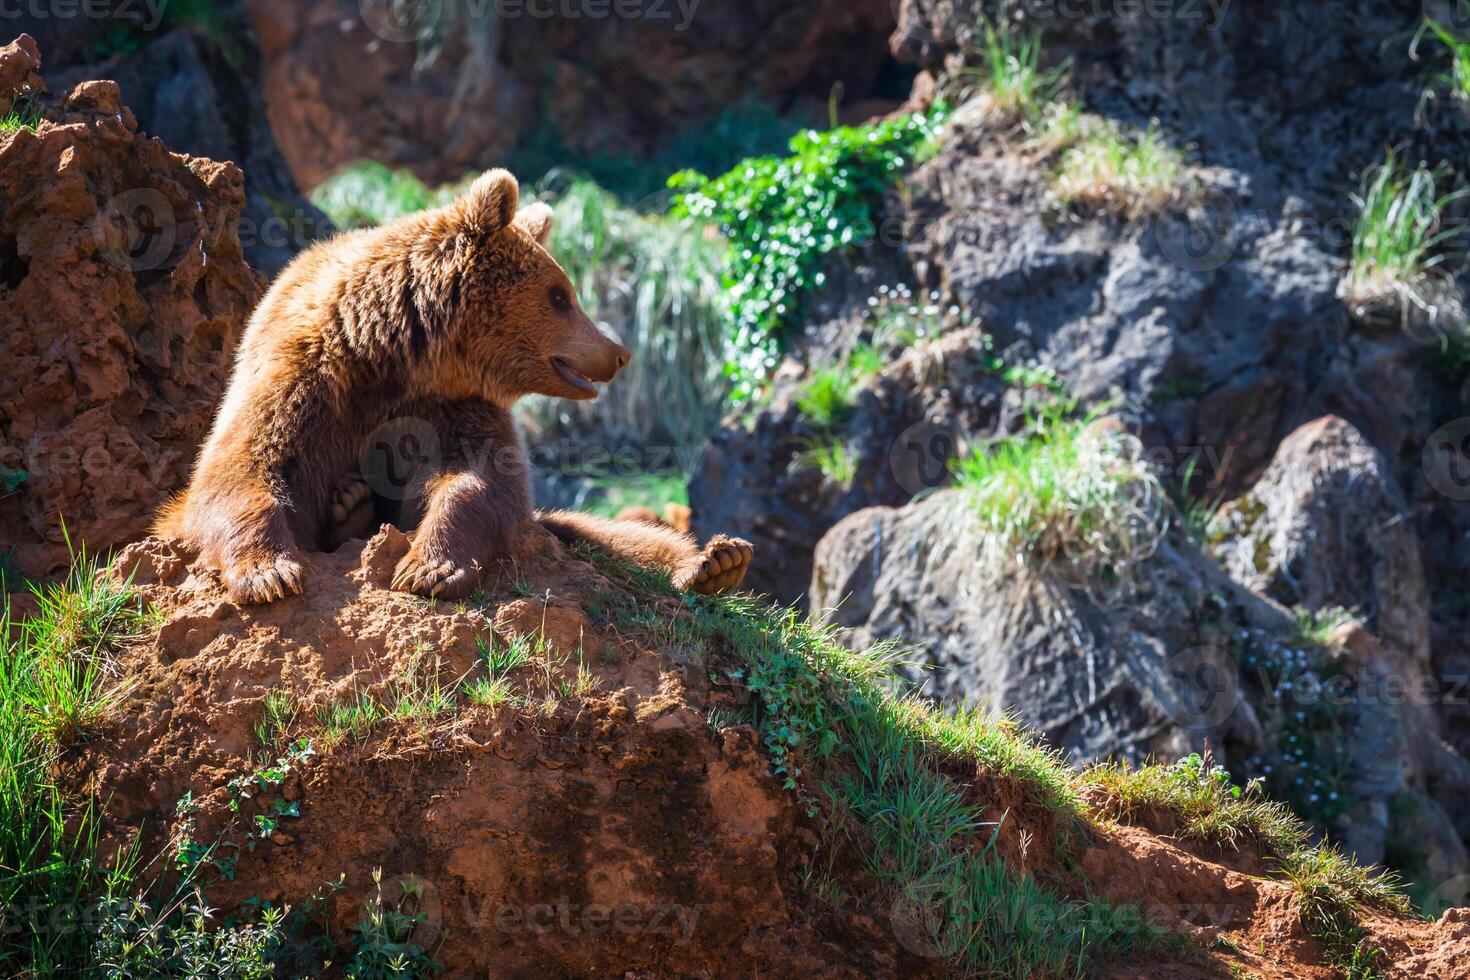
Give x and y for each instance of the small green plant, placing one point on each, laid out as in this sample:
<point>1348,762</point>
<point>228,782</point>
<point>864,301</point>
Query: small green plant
<point>783,217</point>
<point>826,398</point>
<point>385,949</point>
<point>133,939</point>
<point>1395,238</point>
<point>830,456</point>
<point>1067,492</point>
<point>828,394</point>
<point>279,713</point>
<point>503,657</point>
<point>67,654</point>
<point>420,695</point>
<point>1110,172</point>
<point>490,692</point>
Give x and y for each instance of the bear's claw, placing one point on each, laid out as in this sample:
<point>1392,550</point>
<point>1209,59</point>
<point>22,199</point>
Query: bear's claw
<point>720,568</point>
<point>265,579</point>
<point>433,577</point>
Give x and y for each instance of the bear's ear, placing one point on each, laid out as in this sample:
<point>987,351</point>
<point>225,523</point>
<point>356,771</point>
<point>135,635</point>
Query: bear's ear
<point>489,206</point>
<point>536,220</point>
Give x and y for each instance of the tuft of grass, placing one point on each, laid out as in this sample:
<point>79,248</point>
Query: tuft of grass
<point>832,457</point>
<point>1011,74</point>
<point>68,651</point>
<point>1455,82</point>
<point>844,741</point>
<point>1395,238</point>
<point>828,394</point>
<point>353,719</point>
<point>1208,807</point>
<point>1068,493</point>
<point>1112,172</point>
<point>489,692</point>
<point>279,711</point>
<point>24,114</point>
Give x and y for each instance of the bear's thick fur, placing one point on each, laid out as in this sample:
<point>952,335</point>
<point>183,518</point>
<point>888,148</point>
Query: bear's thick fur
<point>443,320</point>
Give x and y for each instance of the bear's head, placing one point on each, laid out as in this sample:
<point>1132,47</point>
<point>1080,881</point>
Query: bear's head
<point>517,327</point>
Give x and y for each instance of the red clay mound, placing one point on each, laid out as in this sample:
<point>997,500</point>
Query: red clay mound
<point>596,825</point>
<point>122,292</point>
<point>586,818</point>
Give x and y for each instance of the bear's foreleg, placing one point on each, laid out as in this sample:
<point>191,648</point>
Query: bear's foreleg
<point>471,503</point>
<point>717,568</point>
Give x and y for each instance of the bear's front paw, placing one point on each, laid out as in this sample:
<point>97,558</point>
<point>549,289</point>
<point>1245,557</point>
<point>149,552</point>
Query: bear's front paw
<point>263,578</point>
<point>433,576</point>
<point>720,568</point>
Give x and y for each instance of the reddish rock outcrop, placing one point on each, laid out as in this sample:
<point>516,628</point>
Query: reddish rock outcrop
<point>122,292</point>
<point>446,88</point>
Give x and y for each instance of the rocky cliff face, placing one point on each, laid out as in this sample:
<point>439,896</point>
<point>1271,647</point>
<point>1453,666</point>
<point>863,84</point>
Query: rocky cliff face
<point>122,291</point>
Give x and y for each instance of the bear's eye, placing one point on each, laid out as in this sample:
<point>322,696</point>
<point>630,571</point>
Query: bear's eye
<point>561,300</point>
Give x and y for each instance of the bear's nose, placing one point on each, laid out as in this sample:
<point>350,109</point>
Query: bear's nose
<point>623,357</point>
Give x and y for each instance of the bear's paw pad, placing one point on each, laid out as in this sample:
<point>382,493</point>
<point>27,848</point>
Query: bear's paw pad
<point>721,567</point>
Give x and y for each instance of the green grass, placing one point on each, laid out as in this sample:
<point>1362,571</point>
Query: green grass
<point>1011,73</point>
<point>1110,171</point>
<point>828,394</point>
<point>1454,82</point>
<point>366,194</point>
<point>611,494</point>
<point>1066,492</point>
<point>1396,235</point>
<point>55,691</point>
<point>353,719</point>
<point>785,216</point>
<point>872,761</point>
<point>826,398</point>
<point>832,457</point>
<point>279,712</point>
<point>24,114</point>
<point>1332,889</point>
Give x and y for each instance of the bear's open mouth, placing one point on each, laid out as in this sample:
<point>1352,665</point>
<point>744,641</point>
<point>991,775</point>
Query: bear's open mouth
<point>574,377</point>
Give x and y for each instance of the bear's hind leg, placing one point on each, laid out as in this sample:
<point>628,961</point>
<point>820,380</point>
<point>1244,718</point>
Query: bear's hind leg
<point>717,568</point>
<point>353,513</point>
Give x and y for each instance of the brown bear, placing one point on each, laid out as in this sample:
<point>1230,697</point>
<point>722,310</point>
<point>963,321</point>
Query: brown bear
<point>445,318</point>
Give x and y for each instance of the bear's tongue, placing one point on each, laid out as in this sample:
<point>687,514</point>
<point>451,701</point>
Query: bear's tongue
<point>572,376</point>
